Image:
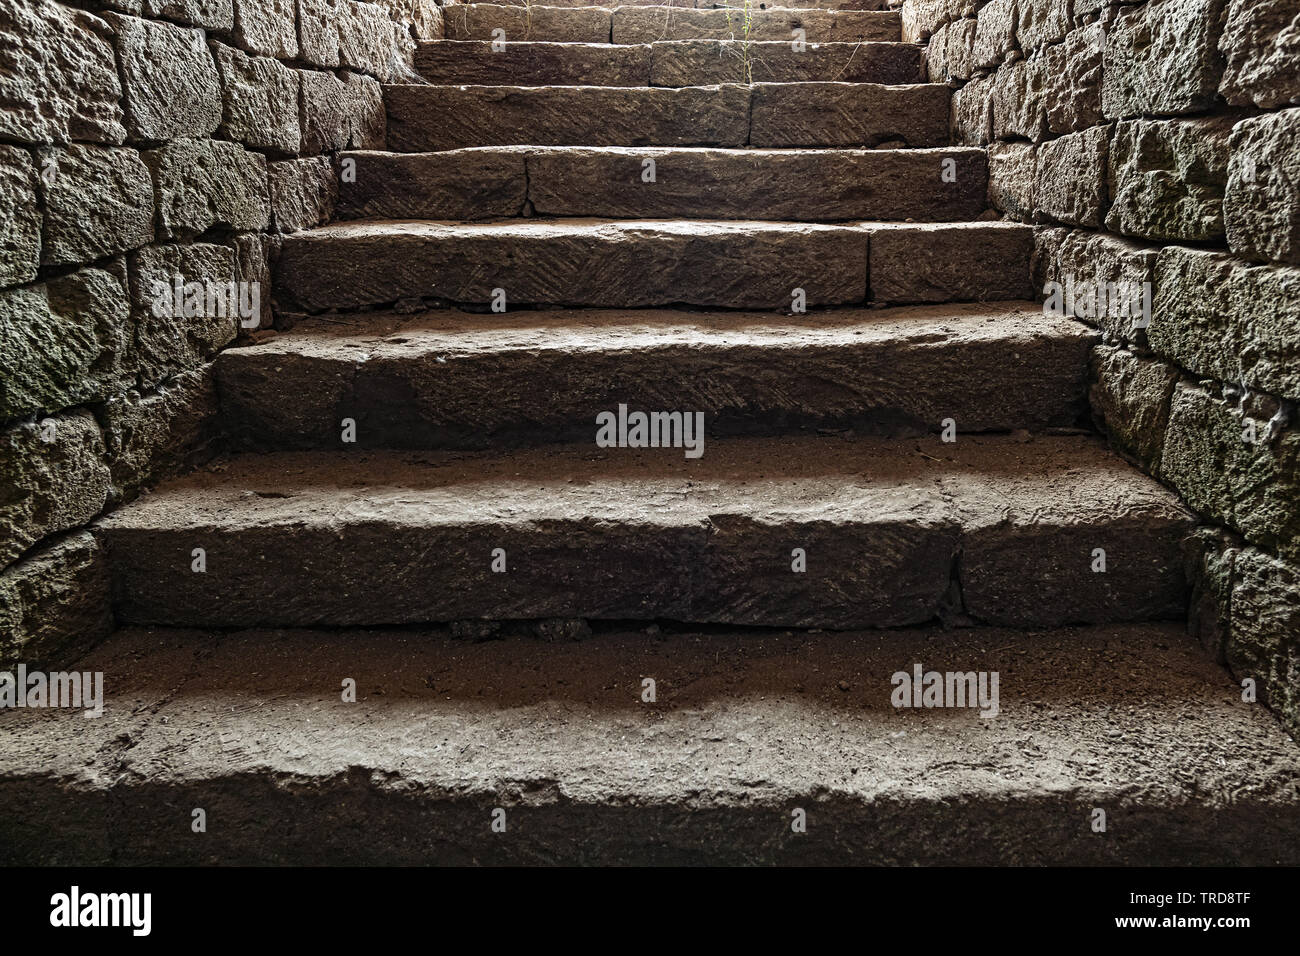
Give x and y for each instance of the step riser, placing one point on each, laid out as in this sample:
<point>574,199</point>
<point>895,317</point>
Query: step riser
<point>430,118</point>
<point>645,25</point>
<point>486,397</point>
<point>803,186</point>
<point>869,572</point>
<point>676,64</point>
<point>635,265</point>
<point>737,5</point>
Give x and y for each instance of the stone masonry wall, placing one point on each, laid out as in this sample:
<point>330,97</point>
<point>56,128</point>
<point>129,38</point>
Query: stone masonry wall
<point>144,142</point>
<point>1160,142</point>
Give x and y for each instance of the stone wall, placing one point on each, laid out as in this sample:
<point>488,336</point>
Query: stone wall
<point>148,142</point>
<point>1159,142</point>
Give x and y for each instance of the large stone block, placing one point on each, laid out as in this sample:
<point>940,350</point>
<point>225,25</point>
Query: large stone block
<point>1167,178</point>
<point>1261,47</point>
<point>20,229</point>
<point>1071,183</point>
<point>303,192</point>
<point>1039,22</point>
<point>203,183</point>
<point>995,34</point>
<point>1013,171</point>
<point>208,14</point>
<point>1261,206</point>
<point>169,342</point>
<point>1083,262</point>
<point>155,435</point>
<point>949,54</point>
<point>259,101</point>
<point>1209,553</point>
<point>54,478</point>
<point>1130,401</point>
<point>63,342</point>
<point>1264,640</point>
<point>318,32</point>
<point>268,27</point>
<point>1229,320</point>
<point>942,262</point>
<point>1070,75</point>
<point>367,119</point>
<point>59,81</point>
<point>1018,108</point>
<point>972,112</point>
<point>368,42</point>
<point>921,18</point>
<point>98,202</point>
<point>55,604</point>
<point>1227,461</point>
<point>170,82</point>
<point>1162,58</point>
<point>848,114</point>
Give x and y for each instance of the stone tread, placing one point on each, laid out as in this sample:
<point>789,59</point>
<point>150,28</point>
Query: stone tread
<point>355,537</point>
<point>637,263</point>
<point>1134,720</point>
<point>796,185</point>
<point>449,379</point>
<point>675,63</point>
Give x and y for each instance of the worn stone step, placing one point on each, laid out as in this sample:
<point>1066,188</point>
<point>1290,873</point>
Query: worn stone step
<point>647,24</point>
<point>744,730</point>
<point>994,530</point>
<point>424,118</point>
<point>826,185</point>
<point>458,380</point>
<point>639,263</point>
<point>671,64</point>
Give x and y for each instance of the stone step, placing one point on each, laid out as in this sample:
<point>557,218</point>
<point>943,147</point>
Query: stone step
<point>827,185</point>
<point>744,730</point>
<point>640,263</point>
<point>674,63</point>
<point>460,380</point>
<point>647,24</point>
<point>997,530</point>
<point>424,118</point>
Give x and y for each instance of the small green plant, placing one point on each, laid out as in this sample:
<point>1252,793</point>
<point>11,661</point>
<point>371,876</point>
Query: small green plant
<point>746,12</point>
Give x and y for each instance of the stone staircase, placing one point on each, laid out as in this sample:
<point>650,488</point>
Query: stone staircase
<point>675,219</point>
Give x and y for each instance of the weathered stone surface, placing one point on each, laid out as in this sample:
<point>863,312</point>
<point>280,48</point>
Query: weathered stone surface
<point>367,122</point>
<point>1070,76</point>
<point>1013,179</point>
<point>613,264</point>
<point>436,118</point>
<point>1261,47</point>
<point>972,112</point>
<point>1071,184</point>
<point>20,229</point>
<point>701,62</point>
<point>1209,553</point>
<point>921,18</point>
<point>204,183</point>
<point>1227,463</point>
<point>168,342</point>
<point>1082,261</point>
<point>367,39</point>
<point>158,434</point>
<point>63,342</point>
<point>55,604</point>
<point>1163,58</point>
<point>476,21</point>
<point>848,114</point>
<point>259,98</point>
<point>1227,319</point>
<point>304,192</point>
<point>1265,637</point>
<point>556,716</point>
<point>794,185</point>
<point>1167,178</point>
<point>425,382</point>
<point>995,33</point>
<point>950,263</point>
<point>424,17</point>
<point>54,478</point>
<point>648,24</point>
<point>1130,402</point>
<point>454,186</point>
<point>948,55</point>
<point>254,253</point>
<point>268,27</point>
<point>1039,22</point>
<point>538,64</point>
<point>171,86</point>
<point>324,112</point>
<point>98,202</point>
<point>1015,97</point>
<point>209,14</point>
<point>1261,206</point>
<point>59,81</point>
<point>318,32</point>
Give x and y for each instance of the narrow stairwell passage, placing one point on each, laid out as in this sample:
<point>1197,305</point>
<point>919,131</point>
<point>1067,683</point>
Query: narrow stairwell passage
<point>588,212</point>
